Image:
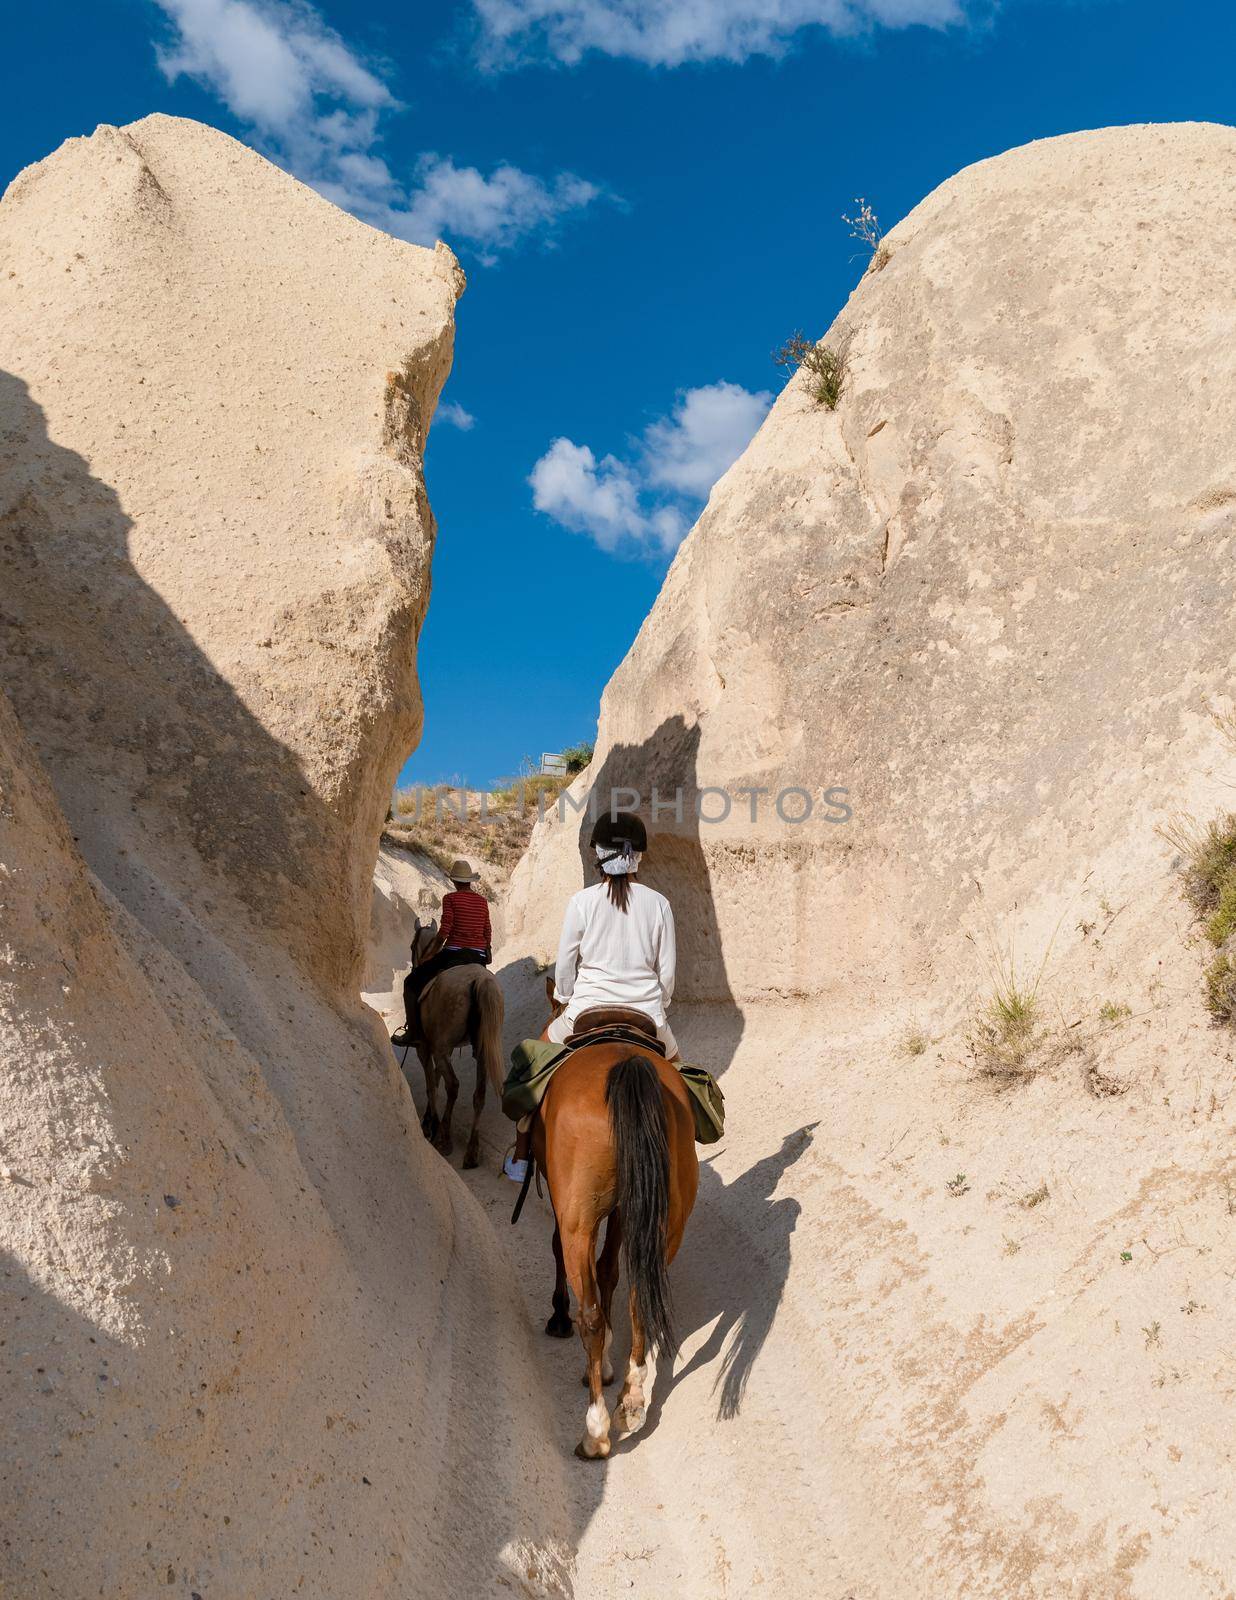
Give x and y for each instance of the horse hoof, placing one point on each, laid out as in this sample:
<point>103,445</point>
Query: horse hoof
<point>599,1452</point>
<point>559,1327</point>
<point>630,1421</point>
<point>471,1159</point>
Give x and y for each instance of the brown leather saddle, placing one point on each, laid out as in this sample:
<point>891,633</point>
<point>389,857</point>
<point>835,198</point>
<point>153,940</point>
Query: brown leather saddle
<point>622,1024</point>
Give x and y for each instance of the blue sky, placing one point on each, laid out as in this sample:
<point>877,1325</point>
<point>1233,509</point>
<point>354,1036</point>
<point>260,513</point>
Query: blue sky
<point>645,211</point>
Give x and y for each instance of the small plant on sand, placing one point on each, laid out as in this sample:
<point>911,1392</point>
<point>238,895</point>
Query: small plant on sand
<point>914,1041</point>
<point>1126,1256</point>
<point>1221,923</point>
<point>1220,988</point>
<point>1114,1011</point>
<point>1152,1333</point>
<point>824,366</point>
<point>1208,875</point>
<point>1036,1197</point>
<point>1005,1037</point>
<point>1207,862</point>
<point>958,1186</point>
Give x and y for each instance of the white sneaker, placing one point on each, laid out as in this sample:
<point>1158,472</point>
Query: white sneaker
<point>516,1171</point>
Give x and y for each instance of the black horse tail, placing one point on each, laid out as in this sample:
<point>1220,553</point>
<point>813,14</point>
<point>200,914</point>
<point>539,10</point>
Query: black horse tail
<point>641,1143</point>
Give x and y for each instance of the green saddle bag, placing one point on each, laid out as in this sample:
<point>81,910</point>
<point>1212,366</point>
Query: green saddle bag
<point>534,1062</point>
<point>707,1103</point>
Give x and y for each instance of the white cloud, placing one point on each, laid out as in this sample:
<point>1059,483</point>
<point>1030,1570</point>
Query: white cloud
<point>708,430</point>
<point>315,107</point>
<point>454,415</point>
<point>452,201</point>
<point>644,506</point>
<point>670,32</point>
<point>599,498</point>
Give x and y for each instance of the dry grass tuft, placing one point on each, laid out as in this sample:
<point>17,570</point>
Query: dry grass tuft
<point>1220,988</point>
<point>1207,855</point>
<point>1225,721</point>
<point>824,365</point>
<point>1005,1038</point>
<point>914,1041</point>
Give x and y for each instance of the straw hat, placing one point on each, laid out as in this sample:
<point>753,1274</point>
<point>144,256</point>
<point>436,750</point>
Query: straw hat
<point>461,872</point>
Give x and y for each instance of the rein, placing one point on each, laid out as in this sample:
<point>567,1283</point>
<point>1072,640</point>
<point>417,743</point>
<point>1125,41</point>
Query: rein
<point>524,1187</point>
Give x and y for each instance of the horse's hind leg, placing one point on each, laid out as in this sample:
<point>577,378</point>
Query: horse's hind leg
<point>560,1325</point>
<point>607,1282</point>
<point>579,1254</point>
<point>633,1401</point>
<point>429,1122</point>
<point>443,1140</point>
<point>472,1155</point>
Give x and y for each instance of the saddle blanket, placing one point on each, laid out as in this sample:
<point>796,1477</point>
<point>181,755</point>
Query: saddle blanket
<point>534,1062</point>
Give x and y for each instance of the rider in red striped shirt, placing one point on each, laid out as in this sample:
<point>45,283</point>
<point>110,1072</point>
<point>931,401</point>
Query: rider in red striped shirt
<point>464,935</point>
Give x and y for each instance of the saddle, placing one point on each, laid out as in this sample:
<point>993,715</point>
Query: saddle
<point>616,1024</point>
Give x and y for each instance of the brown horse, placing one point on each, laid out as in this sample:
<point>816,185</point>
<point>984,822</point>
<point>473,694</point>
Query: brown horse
<point>615,1138</point>
<point>462,1005</point>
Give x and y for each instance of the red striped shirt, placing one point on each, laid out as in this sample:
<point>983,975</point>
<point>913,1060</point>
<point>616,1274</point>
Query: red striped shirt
<point>465,920</point>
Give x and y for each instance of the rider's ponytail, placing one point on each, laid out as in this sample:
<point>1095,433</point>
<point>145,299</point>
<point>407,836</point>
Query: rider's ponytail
<point>619,887</point>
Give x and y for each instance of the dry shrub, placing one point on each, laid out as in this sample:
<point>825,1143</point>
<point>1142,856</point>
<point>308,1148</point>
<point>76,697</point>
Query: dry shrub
<point>824,365</point>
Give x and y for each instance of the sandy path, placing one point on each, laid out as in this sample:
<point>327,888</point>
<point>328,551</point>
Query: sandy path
<point>724,1492</point>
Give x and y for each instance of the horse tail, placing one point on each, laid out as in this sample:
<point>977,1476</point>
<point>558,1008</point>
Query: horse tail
<point>641,1143</point>
<point>490,1010</point>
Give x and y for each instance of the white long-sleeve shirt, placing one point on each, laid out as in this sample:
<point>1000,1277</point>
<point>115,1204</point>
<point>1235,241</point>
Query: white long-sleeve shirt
<point>608,957</point>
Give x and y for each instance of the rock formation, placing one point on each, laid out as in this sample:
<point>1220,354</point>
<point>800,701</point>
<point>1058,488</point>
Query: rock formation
<point>258,1339</point>
<point>992,597</point>
<point>407,886</point>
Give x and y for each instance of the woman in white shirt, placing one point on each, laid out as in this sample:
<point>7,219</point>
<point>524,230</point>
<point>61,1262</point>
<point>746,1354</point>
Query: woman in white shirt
<point>617,949</point>
<point>617,946</point>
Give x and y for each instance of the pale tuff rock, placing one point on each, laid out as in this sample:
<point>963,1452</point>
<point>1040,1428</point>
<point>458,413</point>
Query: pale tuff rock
<point>257,1338</point>
<point>992,595</point>
<point>407,887</point>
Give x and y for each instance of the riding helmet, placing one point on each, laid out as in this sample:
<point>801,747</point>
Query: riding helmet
<point>609,831</point>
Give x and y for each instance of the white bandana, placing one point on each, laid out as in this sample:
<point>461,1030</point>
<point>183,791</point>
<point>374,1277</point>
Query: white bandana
<point>622,859</point>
